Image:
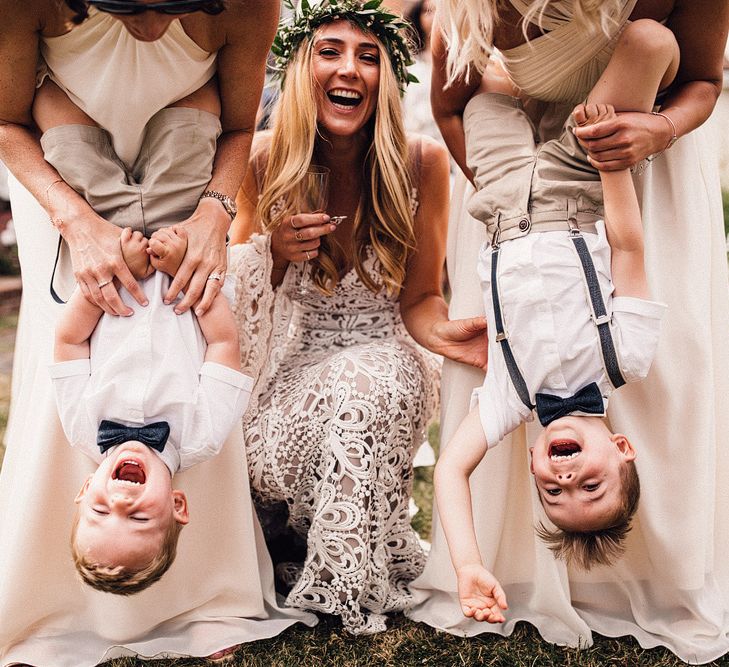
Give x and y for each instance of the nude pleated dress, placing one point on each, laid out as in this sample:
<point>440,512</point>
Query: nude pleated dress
<point>672,587</point>
<point>219,592</point>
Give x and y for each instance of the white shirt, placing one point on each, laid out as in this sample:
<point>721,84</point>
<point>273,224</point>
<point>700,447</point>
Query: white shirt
<point>546,314</point>
<point>147,368</point>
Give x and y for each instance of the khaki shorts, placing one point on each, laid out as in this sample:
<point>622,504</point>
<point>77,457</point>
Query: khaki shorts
<point>161,188</point>
<point>517,178</point>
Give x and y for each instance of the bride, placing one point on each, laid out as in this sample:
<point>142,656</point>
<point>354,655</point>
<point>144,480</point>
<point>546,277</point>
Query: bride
<point>331,314</point>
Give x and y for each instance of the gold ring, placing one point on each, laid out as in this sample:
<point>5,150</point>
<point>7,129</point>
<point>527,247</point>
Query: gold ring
<point>308,257</point>
<point>103,283</point>
<point>298,236</point>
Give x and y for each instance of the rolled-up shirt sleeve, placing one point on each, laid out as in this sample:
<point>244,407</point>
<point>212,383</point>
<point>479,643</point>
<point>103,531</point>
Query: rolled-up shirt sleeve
<point>220,401</point>
<point>70,380</point>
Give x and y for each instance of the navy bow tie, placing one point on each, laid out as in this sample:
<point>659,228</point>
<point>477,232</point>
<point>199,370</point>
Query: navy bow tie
<point>153,435</point>
<point>588,400</point>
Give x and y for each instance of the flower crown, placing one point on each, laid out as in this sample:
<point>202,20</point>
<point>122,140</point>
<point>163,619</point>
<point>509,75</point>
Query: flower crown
<point>367,16</point>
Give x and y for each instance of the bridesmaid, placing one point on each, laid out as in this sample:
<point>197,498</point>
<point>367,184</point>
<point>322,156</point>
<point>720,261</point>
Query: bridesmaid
<point>674,565</point>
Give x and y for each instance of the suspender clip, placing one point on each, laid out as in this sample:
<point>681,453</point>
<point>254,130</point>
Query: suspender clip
<point>572,217</point>
<point>603,319</point>
<point>497,232</point>
<point>502,335</point>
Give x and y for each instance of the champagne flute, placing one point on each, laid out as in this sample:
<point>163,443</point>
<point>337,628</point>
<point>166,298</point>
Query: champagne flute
<point>314,193</point>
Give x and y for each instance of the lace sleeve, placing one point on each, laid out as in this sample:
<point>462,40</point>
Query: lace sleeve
<point>262,314</point>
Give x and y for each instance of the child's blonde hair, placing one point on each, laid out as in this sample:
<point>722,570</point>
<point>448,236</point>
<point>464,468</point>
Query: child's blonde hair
<point>603,546</point>
<point>384,220</point>
<point>468,26</point>
<point>118,579</point>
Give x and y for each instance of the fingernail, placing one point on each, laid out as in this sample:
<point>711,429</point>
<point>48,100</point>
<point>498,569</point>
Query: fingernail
<point>332,228</point>
<point>178,312</point>
<point>199,312</point>
<point>167,302</point>
<point>145,302</point>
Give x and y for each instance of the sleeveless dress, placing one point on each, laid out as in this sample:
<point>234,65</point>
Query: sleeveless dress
<point>219,591</point>
<point>672,586</point>
<point>342,401</point>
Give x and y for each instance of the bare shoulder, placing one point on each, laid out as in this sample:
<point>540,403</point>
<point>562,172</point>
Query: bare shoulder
<point>433,154</point>
<point>260,146</point>
<point>249,20</point>
<point>32,15</point>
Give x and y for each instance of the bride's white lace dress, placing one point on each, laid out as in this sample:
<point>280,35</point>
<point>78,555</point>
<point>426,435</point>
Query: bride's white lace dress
<point>343,397</point>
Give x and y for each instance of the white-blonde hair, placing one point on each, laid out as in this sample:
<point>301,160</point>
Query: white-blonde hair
<point>468,26</point>
<point>383,219</point>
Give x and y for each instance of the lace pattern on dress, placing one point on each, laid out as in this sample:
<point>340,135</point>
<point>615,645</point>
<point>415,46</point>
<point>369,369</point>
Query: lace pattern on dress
<point>343,397</point>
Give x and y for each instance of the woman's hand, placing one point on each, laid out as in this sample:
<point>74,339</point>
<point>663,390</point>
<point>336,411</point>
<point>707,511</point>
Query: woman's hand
<point>97,261</point>
<point>298,238</point>
<point>464,340</point>
<point>202,270</point>
<point>622,142</point>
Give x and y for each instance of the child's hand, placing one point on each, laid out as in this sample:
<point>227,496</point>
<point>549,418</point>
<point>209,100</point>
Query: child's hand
<point>134,252</point>
<point>480,594</point>
<point>167,249</point>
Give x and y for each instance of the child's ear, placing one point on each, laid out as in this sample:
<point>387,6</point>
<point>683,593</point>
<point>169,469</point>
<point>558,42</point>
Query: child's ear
<point>180,507</point>
<point>624,446</point>
<point>82,491</point>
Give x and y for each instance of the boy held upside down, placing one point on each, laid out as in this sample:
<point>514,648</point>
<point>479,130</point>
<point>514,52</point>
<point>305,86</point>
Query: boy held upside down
<point>144,396</point>
<point>565,291</point>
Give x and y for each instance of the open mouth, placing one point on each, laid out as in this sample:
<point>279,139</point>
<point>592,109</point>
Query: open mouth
<point>344,99</point>
<point>129,471</point>
<point>563,451</point>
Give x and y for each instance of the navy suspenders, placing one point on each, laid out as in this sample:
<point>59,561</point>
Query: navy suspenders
<point>517,379</point>
<point>599,315</point>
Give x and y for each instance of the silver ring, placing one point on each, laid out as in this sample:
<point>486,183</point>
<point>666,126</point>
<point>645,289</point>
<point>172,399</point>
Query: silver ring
<point>103,283</point>
<point>306,252</point>
<point>216,276</point>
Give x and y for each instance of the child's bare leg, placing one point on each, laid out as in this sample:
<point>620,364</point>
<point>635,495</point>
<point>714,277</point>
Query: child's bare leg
<point>74,328</point>
<point>221,334</point>
<point>52,107</point>
<point>622,216</point>
<point>645,61</point>
<point>206,98</point>
<point>167,249</point>
<point>134,250</point>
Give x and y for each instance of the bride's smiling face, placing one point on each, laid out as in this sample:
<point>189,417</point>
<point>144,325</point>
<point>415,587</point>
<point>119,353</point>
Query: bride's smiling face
<point>346,69</point>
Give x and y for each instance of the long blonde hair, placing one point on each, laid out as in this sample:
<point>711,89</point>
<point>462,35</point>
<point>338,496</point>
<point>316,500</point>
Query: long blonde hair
<point>468,26</point>
<point>383,220</point>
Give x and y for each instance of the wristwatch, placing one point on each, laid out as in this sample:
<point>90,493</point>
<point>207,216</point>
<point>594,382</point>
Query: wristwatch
<point>228,204</point>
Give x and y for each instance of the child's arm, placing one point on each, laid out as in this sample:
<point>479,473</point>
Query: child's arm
<point>479,592</point>
<point>218,328</point>
<point>625,234</point>
<point>74,328</point>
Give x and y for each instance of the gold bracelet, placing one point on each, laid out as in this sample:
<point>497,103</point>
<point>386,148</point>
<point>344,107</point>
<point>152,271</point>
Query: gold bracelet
<point>674,138</point>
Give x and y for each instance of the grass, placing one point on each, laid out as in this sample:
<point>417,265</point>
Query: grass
<point>409,644</point>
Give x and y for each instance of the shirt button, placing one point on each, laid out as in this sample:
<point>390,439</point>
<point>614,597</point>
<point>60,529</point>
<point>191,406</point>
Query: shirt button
<point>524,224</point>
